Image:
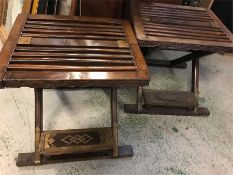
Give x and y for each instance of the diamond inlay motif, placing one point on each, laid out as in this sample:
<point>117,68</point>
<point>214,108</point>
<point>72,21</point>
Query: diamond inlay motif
<point>77,139</point>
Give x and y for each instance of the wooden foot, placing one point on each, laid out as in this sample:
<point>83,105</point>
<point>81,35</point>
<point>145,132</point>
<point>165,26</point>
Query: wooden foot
<point>27,159</point>
<point>132,108</point>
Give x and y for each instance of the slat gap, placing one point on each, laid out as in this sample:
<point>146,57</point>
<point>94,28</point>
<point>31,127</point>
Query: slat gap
<point>73,25</point>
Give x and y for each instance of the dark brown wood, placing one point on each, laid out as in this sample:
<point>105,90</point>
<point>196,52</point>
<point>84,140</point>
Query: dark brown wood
<point>66,52</point>
<point>179,27</point>
<point>73,19</point>
<point>114,121</point>
<point>38,122</point>
<point>193,29</point>
<point>195,77</point>
<point>200,111</point>
<point>175,102</point>
<point>27,159</point>
<point>62,51</point>
<point>39,78</point>
<point>57,142</point>
<point>139,98</point>
<point>169,99</point>
<point>71,145</point>
<point>28,67</point>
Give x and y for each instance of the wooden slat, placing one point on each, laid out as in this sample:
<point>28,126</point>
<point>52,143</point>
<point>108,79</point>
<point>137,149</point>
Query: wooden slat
<point>32,49</point>
<point>75,28</point>
<point>62,24</point>
<point>73,32</point>
<point>175,11</point>
<point>67,19</point>
<point>180,22</point>
<point>174,34</point>
<point>25,67</point>
<point>173,7</point>
<point>77,62</point>
<point>74,42</point>
<point>72,24</point>
<point>70,36</point>
<point>191,32</point>
<point>192,41</point>
<point>191,29</point>
<point>70,55</point>
<point>175,16</point>
<point>145,10</point>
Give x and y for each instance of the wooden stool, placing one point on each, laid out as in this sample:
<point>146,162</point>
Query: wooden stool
<point>52,52</point>
<point>183,28</point>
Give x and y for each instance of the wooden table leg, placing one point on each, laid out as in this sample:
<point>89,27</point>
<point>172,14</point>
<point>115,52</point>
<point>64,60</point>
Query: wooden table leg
<point>114,120</point>
<point>85,144</point>
<point>38,123</point>
<point>139,98</point>
<point>195,77</point>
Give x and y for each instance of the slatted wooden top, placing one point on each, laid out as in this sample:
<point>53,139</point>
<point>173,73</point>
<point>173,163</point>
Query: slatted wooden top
<point>179,27</point>
<point>60,51</point>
